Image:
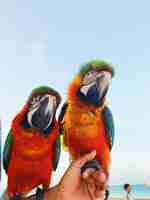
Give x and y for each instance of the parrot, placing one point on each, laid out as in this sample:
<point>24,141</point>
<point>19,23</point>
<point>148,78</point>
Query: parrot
<point>85,121</point>
<point>32,147</point>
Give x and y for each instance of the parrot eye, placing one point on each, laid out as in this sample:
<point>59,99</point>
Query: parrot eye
<point>89,77</point>
<point>35,100</point>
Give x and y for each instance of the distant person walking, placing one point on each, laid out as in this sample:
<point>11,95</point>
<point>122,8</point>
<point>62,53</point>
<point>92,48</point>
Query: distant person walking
<point>128,190</point>
<point>106,194</point>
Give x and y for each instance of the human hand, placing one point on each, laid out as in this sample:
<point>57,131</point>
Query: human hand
<point>87,186</point>
<point>76,186</point>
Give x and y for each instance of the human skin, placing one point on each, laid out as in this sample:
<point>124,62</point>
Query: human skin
<point>76,186</point>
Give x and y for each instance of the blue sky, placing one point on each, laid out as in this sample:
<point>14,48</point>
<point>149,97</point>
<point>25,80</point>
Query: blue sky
<point>44,42</point>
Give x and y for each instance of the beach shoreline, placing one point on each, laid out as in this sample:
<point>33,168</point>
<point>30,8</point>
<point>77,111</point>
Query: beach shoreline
<point>121,198</point>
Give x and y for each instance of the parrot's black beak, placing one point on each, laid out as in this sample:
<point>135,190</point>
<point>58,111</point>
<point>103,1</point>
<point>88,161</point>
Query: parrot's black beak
<point>41,115</point>
<point>95,92</point>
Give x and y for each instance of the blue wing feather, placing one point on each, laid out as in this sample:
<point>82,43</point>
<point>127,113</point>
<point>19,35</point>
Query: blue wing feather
<point>61,117</point>
<point>109,125</point>
<point>57,151</point>
<point>7,150</point>
<point>57,146</point>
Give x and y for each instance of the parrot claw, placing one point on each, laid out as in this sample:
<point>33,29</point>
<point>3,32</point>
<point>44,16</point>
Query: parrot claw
<point>39,194</point>
<point>94,164</point>
<point>16,197</point>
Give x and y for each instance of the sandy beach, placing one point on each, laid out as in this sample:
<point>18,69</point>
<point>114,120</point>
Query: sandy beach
<point>124,198</point>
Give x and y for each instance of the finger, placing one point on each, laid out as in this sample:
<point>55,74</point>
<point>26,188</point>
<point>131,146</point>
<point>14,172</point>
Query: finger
<point>87,173</point>
<point>100,190</point>
<point>95,193</point>
<point>74,171</point>
<point>100,176</point>
<point>99,180</point>
<point>91,190</point>
<point>99,193</point>
<point>87,157</point>
<point>101,187</point>
<point>90,180</point>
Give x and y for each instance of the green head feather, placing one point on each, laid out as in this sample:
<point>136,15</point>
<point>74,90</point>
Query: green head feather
<point>41,90</point>
<point>96,64</point>
<point>45,90</point>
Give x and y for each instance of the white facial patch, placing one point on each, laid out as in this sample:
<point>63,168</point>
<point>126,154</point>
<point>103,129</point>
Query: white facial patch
<point>49,109</point>
<point>31,111</point>
<point>106,77</point>
<point>51,103</point>
<point>89,77</point>
<point>35,104</point>
<point>106,74</point>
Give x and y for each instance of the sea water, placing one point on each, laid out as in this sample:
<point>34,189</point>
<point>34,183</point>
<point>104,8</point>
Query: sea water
<point>138,191</point>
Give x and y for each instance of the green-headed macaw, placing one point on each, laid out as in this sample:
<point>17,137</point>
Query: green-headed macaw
<point>32,147</point>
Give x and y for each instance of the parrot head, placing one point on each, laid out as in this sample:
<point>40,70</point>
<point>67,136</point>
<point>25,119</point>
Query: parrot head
<point>95,77</point>
<point>41,109</point>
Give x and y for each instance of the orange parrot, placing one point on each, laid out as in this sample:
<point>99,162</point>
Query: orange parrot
<point>32,146</point>
<point>85,120</point>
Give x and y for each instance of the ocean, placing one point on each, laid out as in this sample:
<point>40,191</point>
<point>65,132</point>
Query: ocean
<point>138,191</point>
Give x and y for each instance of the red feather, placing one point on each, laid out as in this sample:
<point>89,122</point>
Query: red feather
<point>31,157</point>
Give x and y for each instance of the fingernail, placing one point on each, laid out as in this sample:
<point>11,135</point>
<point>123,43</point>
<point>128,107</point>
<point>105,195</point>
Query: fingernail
<point>94,152</point>
<point>85,175</point>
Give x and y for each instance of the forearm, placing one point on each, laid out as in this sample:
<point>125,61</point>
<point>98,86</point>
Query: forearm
<point>51,194</point>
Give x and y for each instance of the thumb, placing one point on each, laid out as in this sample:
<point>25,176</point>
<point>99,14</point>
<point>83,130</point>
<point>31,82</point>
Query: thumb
<point>87,157</point>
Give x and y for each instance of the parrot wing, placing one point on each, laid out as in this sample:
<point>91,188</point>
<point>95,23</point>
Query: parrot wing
<point>8,146</point>
<point>61,122</point>
<point>61,117</point>
<point>57,146</point>
<point>109,125</point>
<point>57,151</point>
<point>7,150</point>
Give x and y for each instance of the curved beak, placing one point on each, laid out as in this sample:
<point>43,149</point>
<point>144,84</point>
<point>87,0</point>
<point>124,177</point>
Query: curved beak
<point>102,85</point>
<point>96,91</point>
<point>41,115</point>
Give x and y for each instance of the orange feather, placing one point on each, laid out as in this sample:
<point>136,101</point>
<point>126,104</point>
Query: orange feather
<point>84,129</point>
